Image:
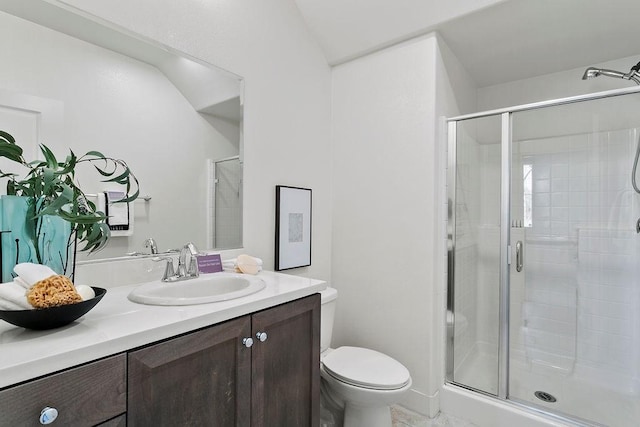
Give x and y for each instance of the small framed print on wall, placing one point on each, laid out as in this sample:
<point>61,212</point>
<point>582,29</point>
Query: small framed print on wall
<point>293,227</point>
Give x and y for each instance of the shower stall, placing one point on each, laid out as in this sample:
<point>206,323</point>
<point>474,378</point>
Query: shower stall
<point>224,219</point>
<point>543,302</point>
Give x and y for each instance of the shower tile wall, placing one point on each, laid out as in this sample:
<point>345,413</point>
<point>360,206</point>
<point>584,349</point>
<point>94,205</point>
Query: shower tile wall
<point>581,304</point>
<point>608,314</point>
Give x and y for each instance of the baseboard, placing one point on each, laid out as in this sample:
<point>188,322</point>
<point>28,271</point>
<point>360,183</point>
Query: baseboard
<point>421,403</point>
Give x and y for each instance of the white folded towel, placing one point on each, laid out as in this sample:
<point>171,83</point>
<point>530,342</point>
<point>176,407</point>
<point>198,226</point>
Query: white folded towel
<point>22,283</point>
<point>32,273</point>
<point>15,294</point>
<point>8,305</point>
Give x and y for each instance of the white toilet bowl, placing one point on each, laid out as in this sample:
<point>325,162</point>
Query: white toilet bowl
<point>366,382</point>
<point>362,381</point>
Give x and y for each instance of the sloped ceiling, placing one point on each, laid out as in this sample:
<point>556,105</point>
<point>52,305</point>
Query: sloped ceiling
<point>496,40</point>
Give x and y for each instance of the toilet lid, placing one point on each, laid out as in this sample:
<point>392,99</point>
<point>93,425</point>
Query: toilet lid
<point>364,367</point>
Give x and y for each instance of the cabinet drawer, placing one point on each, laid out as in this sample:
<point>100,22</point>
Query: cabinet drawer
<point>84,396</point>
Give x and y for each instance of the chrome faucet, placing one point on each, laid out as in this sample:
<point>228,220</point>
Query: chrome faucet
<point>150,243</point>
<point>185,270</point>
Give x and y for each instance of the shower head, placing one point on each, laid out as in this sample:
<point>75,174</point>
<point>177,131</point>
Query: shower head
<point>633,74</point>
<point>590,73</point>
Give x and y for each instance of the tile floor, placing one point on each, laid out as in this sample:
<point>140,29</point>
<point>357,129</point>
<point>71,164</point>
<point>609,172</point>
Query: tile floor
<point>403,417</point>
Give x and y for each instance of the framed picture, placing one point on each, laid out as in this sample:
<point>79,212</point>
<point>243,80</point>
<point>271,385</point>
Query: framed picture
<point>293,227</point>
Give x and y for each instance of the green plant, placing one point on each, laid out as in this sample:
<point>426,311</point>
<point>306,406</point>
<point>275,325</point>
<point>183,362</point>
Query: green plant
<point>51,188</point>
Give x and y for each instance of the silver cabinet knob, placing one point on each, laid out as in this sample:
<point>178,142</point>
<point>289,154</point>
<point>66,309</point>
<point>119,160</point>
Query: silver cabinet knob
<point>262,336</point>
<point>247,342</point>
<point>48,415</point>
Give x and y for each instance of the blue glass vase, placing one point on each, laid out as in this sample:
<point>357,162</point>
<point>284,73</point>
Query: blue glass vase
<point>45,240</point>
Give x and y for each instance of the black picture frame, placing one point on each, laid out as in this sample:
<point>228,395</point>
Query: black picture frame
<point>293,227</point>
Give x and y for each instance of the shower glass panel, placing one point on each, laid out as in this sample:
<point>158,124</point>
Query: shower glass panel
<point>543,299</point>
<point>574,344</point>
<point>474,256</point>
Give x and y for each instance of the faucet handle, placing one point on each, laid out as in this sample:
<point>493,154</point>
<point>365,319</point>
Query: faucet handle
<point>169,271</point>
<point>193,250</point>
<point>194,270</point>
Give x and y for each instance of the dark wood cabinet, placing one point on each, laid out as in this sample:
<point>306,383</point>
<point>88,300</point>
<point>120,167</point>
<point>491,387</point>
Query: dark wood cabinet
<point>83,396</point>
<point>199,379</point>
<point>259,370</point>
<point>215,377</point>
<point>286,366</point>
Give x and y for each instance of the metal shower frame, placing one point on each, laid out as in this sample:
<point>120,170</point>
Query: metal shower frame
<point>505,243</point>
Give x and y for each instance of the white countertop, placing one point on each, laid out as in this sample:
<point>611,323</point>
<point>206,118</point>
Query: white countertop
<point>116,324</point>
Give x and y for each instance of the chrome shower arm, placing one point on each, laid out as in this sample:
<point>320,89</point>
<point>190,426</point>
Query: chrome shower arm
<point>633,74</point>
<point>611,73</point>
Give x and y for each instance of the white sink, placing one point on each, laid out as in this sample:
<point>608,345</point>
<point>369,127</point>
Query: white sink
<point>201,290</point>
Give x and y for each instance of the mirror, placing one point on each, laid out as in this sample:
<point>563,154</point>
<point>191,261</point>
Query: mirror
<point>176,121</point>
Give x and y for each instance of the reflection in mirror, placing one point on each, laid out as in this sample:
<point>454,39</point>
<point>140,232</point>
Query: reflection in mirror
<point>177,122</point>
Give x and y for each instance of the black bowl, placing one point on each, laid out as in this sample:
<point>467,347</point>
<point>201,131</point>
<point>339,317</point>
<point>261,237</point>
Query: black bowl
<point>52,317</point>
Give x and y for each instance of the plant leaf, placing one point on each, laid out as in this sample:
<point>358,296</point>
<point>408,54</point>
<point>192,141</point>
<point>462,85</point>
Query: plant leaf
<point>49,157</point>
<point>10,151</point>
<point>8,137</point>
<point>120,179</point>
<point>52,190</point>
<point>102,171</point>
<point>95,153</point>
<point>68,167</point>
<point>130,198</point>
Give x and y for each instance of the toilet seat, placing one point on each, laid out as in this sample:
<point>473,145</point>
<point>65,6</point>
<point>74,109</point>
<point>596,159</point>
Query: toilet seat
<point>363,367</point>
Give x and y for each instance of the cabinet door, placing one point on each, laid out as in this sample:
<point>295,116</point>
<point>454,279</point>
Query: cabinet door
<point>199,379</point>
<point>286,366</point>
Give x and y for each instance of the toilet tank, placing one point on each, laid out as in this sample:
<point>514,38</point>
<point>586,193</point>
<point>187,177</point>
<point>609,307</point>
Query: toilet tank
<point>327,312</point>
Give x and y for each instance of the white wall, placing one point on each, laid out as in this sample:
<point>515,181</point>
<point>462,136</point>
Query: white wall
<point>388,211</point>
<point>383,127</point>
<point>553,86</point>
<point>286,105</point>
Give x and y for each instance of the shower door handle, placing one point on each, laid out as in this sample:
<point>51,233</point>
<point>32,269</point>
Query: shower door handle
<point>519,255</point>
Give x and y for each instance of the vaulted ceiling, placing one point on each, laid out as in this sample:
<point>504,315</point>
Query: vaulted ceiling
<point>496,40</point>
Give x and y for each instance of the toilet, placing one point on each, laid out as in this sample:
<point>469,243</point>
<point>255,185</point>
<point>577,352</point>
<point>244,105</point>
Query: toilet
<point>362,381</point>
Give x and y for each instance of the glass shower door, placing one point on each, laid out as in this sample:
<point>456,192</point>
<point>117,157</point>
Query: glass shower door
<point>474,253</point>
<point>575,298</point>
<point>227,214</point>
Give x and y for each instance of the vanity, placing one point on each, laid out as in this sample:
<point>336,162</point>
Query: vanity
<point>251,361</point>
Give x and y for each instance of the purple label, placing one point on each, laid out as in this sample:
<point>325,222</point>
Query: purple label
<point>209,263</point>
